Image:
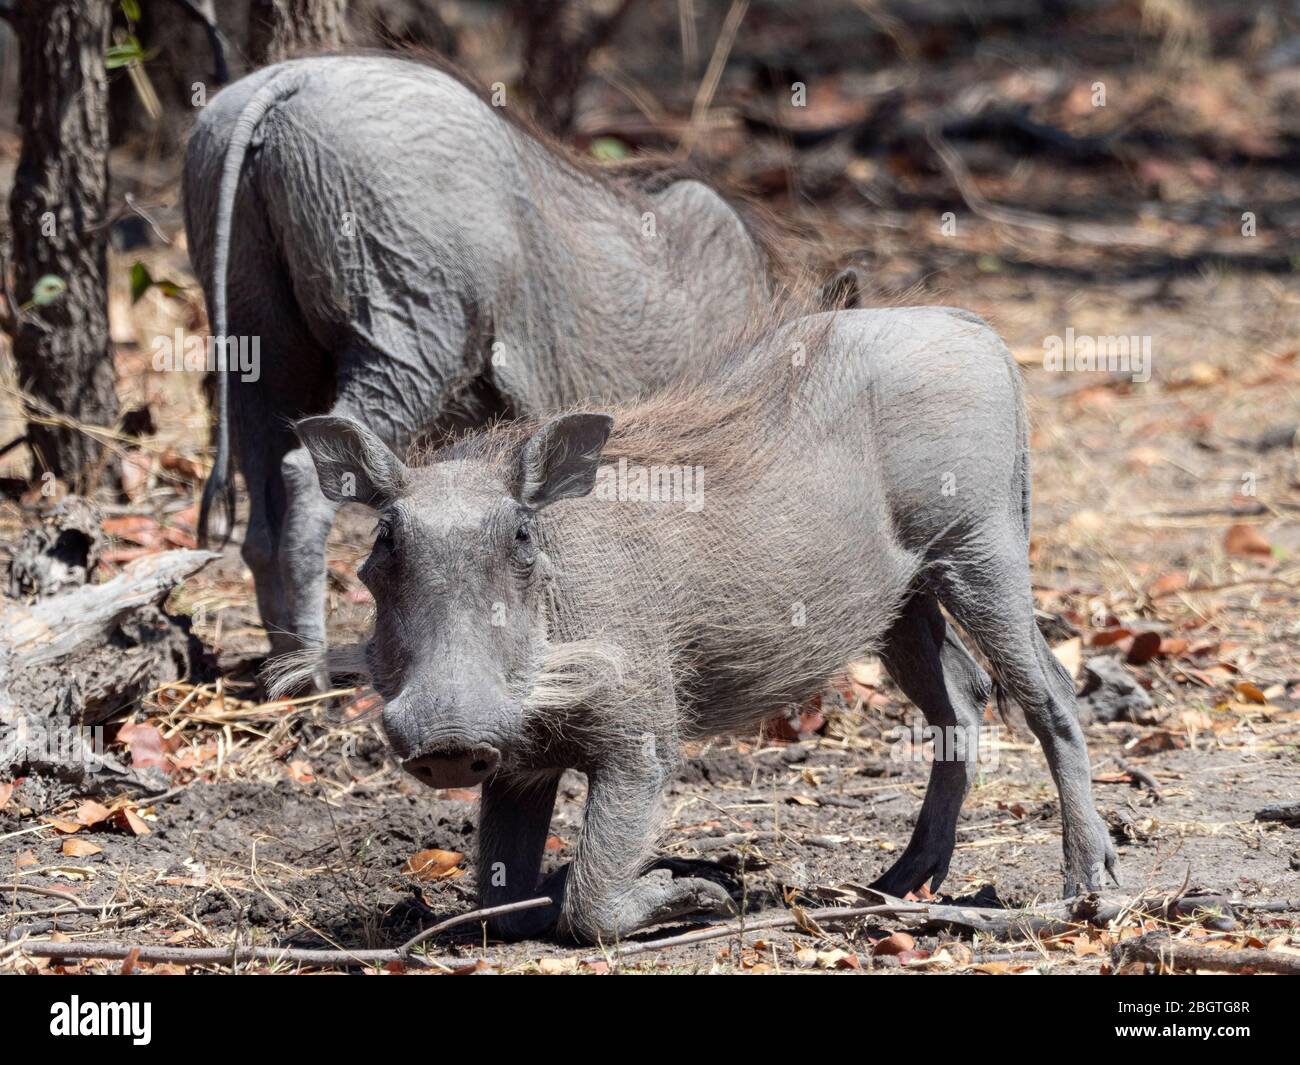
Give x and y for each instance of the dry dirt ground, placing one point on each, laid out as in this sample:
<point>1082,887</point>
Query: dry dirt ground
<point>292,826</point>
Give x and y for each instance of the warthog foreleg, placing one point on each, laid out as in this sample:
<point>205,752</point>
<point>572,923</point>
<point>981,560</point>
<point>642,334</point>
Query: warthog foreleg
<point>514,818</point>
<point>606,893</point>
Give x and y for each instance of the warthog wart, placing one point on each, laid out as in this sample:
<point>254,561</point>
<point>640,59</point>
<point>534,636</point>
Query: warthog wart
<point>524,626</point>
<point>411,259</point>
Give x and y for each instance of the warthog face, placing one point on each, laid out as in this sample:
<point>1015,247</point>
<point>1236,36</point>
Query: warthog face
<point>458,579</point>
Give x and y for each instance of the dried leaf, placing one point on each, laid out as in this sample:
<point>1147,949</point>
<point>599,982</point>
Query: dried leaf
<point>181,466</point>
<point>435,865</point>
<point>999,968</point>
<point>137,528</point>
<point>91,813</point>
<point>1166,585</point>
<point>898,943</point>
<point>1246,541</point>
<point>1250,693</point>
<point>836,959</point>
<point>1160,740</point>
<point>145,743</point>
<point>557,966</point>
<point>134,821</point>
<point>79,848</point>
<point>1145,646</point>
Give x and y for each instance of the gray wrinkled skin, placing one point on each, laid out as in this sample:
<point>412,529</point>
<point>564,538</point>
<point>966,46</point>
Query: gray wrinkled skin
<point>410,259</point>
<point>861,470</point>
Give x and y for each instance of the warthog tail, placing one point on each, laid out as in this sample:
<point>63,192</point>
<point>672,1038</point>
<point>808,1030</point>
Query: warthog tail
<point>219,484</point>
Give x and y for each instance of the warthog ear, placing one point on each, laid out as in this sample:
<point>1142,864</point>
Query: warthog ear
<point>353,465</point>
<point>844,289</point>
<point>560,460</point>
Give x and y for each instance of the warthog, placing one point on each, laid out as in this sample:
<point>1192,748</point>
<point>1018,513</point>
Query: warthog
<point>859,470</point>
<point>408,257</point>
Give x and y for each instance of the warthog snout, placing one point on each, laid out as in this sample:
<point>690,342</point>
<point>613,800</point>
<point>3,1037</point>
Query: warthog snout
<point>462,768</point>
<point>441,747</point>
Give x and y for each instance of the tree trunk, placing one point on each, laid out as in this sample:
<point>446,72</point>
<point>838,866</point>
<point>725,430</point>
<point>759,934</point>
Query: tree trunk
<point>279,28</point>
<point>58,209</point>
<point>559,39</point>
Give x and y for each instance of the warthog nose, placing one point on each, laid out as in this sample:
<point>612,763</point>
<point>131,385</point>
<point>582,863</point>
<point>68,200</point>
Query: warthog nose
<point>455,769</point>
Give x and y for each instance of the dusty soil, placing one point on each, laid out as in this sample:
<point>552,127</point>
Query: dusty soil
<point>319,856</point>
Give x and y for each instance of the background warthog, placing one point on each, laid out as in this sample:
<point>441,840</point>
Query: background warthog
<point>862,469</point>
<point>412,260</point>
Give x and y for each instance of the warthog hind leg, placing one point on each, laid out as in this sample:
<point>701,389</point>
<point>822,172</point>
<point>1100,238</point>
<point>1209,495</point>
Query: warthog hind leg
<point>927,660</point>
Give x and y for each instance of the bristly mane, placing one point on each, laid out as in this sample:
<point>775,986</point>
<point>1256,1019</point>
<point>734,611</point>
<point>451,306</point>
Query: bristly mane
<point>712,414</point>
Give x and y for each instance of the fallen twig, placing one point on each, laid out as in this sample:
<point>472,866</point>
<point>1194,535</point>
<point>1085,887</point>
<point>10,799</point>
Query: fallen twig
<point>1139,778</point>
<point>1158,948</point>
<point>233,955</point>
<point>807,919</point>
<point>33,889</point>
<point>467,918</point>
<point>1269,906</point>
<point>1069,915</point>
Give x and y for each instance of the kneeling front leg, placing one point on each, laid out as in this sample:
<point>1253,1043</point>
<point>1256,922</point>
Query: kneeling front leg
<point>607,894</point>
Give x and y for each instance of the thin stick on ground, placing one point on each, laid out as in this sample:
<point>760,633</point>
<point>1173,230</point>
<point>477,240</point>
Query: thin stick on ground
<point>33,889</point>
<point>1140,778</point>
<point>235,954</point>
<point>806,919</point>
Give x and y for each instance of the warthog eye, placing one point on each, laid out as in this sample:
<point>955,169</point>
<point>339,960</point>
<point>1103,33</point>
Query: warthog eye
<point>525,547</point>
<point>383,536</point>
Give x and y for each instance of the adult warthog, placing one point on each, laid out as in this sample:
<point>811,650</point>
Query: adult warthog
<point>540,607</point>
<point>400,253</point>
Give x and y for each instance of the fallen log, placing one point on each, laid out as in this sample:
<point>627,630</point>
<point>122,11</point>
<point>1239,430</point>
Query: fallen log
<point>1172,955</point>
<point>1287,813</point>
<point>73,659</point>
<point>59,553</point>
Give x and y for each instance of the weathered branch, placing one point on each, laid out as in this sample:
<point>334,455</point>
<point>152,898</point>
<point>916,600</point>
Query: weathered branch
<point>235,954</point>
<point>112,643</point>
<point>1157,948</point>
<point>1288,812</point>
<point>809,920</point>
<point>52,628</point>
